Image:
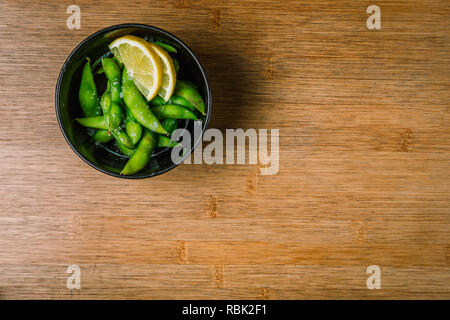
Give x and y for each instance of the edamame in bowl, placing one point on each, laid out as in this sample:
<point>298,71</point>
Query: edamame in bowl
<point>121,94</point>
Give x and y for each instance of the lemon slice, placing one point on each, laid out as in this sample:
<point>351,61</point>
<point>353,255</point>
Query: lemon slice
<point>142,63</point>
<point>169,74</point>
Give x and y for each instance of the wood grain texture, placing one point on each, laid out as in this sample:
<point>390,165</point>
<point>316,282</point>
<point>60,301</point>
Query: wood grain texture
<point>364,158</point>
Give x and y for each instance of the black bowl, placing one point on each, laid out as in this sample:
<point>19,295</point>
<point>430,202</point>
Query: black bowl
<point>104,157</point>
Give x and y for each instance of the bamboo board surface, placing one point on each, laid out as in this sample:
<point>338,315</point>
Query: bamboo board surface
<point>364,158</point>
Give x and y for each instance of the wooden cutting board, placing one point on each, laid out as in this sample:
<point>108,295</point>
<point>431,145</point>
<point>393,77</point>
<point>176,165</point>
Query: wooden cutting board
<point>363,179</point>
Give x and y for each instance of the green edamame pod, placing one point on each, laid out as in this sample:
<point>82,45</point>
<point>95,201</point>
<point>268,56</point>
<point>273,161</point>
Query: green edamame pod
<point>119,64</point>
<point>173,111</point>
<point>102,136</point>
<point>170,125</point>
<point>122,137</point>
<point>105,103</point>
<point>126,151</point>
<point>157,101</point>
<point>132,127</point>
<point>115,116</point>
<point>97,122</point>
<point>165,142</point>
<point>190,93</point>
<point>138,105</point>
<point>174,99</point>
<point>182,102</point>
<point>134,131</point>
<point>166,47</point>
<point>112,72</point>
<point>88,94</point>
<point>142,154</point>
<point>129,115</point>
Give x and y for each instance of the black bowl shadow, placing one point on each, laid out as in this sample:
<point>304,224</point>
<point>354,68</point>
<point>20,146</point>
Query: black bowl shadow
<point>232,82</point>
